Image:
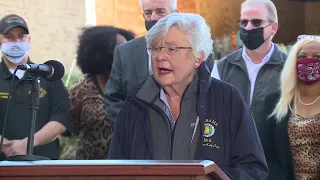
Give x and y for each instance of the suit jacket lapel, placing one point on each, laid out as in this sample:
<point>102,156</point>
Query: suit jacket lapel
<point>142,60</point>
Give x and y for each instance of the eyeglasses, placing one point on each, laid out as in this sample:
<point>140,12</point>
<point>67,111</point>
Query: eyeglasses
<point>255,22</point>
<point>170,50</point>
<point>304,36</point>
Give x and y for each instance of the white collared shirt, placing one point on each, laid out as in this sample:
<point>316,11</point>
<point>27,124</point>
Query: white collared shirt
<point>19,73</point>
<point>149,64</point>
<point>253,69</point>
<point>164,99</point>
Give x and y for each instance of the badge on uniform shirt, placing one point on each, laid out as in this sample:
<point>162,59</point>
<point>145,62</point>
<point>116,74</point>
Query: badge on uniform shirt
<point>43,92</point>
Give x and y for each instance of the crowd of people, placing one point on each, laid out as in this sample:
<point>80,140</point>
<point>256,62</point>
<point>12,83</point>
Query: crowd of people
<point>255,112</point>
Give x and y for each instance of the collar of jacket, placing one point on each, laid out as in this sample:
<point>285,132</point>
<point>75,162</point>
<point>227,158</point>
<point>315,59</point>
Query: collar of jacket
<point>277,57</point>
<point>5,73</point>
<point>203,84</point>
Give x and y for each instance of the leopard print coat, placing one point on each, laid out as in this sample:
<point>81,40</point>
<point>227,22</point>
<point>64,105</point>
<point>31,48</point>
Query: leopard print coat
<point>89,119</point>
<point>304,134</point>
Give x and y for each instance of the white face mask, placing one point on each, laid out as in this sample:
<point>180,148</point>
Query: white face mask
<point>15,51</point>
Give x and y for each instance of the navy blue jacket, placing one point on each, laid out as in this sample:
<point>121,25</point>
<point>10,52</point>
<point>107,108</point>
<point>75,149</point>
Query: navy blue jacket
<point>235,146</point>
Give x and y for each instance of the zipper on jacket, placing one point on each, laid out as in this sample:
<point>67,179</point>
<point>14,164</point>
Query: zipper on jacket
<point>157,109</point>
<point>172,133</point>
<point>249,92</point>
<point>249,85</point>
<point>263,67</point>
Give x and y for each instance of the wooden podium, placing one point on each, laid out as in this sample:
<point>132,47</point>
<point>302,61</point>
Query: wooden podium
<point>110,170</point>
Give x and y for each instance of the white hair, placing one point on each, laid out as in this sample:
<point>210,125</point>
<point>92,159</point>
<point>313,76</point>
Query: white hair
<point>272,10</point>
<point>289,82</point>
<point>173,4</point>
<point>193,25</point>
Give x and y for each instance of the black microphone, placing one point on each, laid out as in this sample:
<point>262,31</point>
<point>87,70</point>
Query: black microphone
<point>51,70</point>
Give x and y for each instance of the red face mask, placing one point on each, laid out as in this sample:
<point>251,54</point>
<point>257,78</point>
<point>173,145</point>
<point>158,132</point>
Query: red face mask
<point>308,70</point>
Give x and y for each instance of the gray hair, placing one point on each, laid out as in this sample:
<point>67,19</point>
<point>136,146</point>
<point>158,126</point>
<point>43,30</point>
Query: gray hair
<point>173,4</point>
<point>272,10</point>
<point>191,24</point>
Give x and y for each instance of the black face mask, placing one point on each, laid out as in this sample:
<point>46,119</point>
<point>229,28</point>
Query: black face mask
<point>253,38</point>
<point>150,24</point>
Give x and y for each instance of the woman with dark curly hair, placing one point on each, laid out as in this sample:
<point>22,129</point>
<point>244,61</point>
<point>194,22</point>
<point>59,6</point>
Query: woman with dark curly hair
<point>87,110</point>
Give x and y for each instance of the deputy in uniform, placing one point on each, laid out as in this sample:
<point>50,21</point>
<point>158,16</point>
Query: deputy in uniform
<point>53,110</point>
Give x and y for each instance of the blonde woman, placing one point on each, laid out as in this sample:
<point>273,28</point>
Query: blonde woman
<point>291,137</point>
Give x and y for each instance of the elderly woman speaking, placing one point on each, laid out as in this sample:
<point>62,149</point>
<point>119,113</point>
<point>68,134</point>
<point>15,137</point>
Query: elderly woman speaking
<point>181,113</point>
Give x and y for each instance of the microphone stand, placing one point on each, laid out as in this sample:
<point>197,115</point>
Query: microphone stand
<point>34,107</point>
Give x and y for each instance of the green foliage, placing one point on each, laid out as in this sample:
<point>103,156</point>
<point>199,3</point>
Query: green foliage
<point>73,79</point>
<point>68,147</point>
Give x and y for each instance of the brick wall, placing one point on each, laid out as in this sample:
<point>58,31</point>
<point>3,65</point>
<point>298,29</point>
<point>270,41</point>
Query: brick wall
<point>291,17</point>
<point>128,14</point>
<point>125,14</point>
<point>53,26</point>
<point>296,18</point>
<point>312,20</point>
<point>220,15</point>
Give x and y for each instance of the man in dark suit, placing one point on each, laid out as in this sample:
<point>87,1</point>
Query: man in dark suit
<point>131,64</point>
